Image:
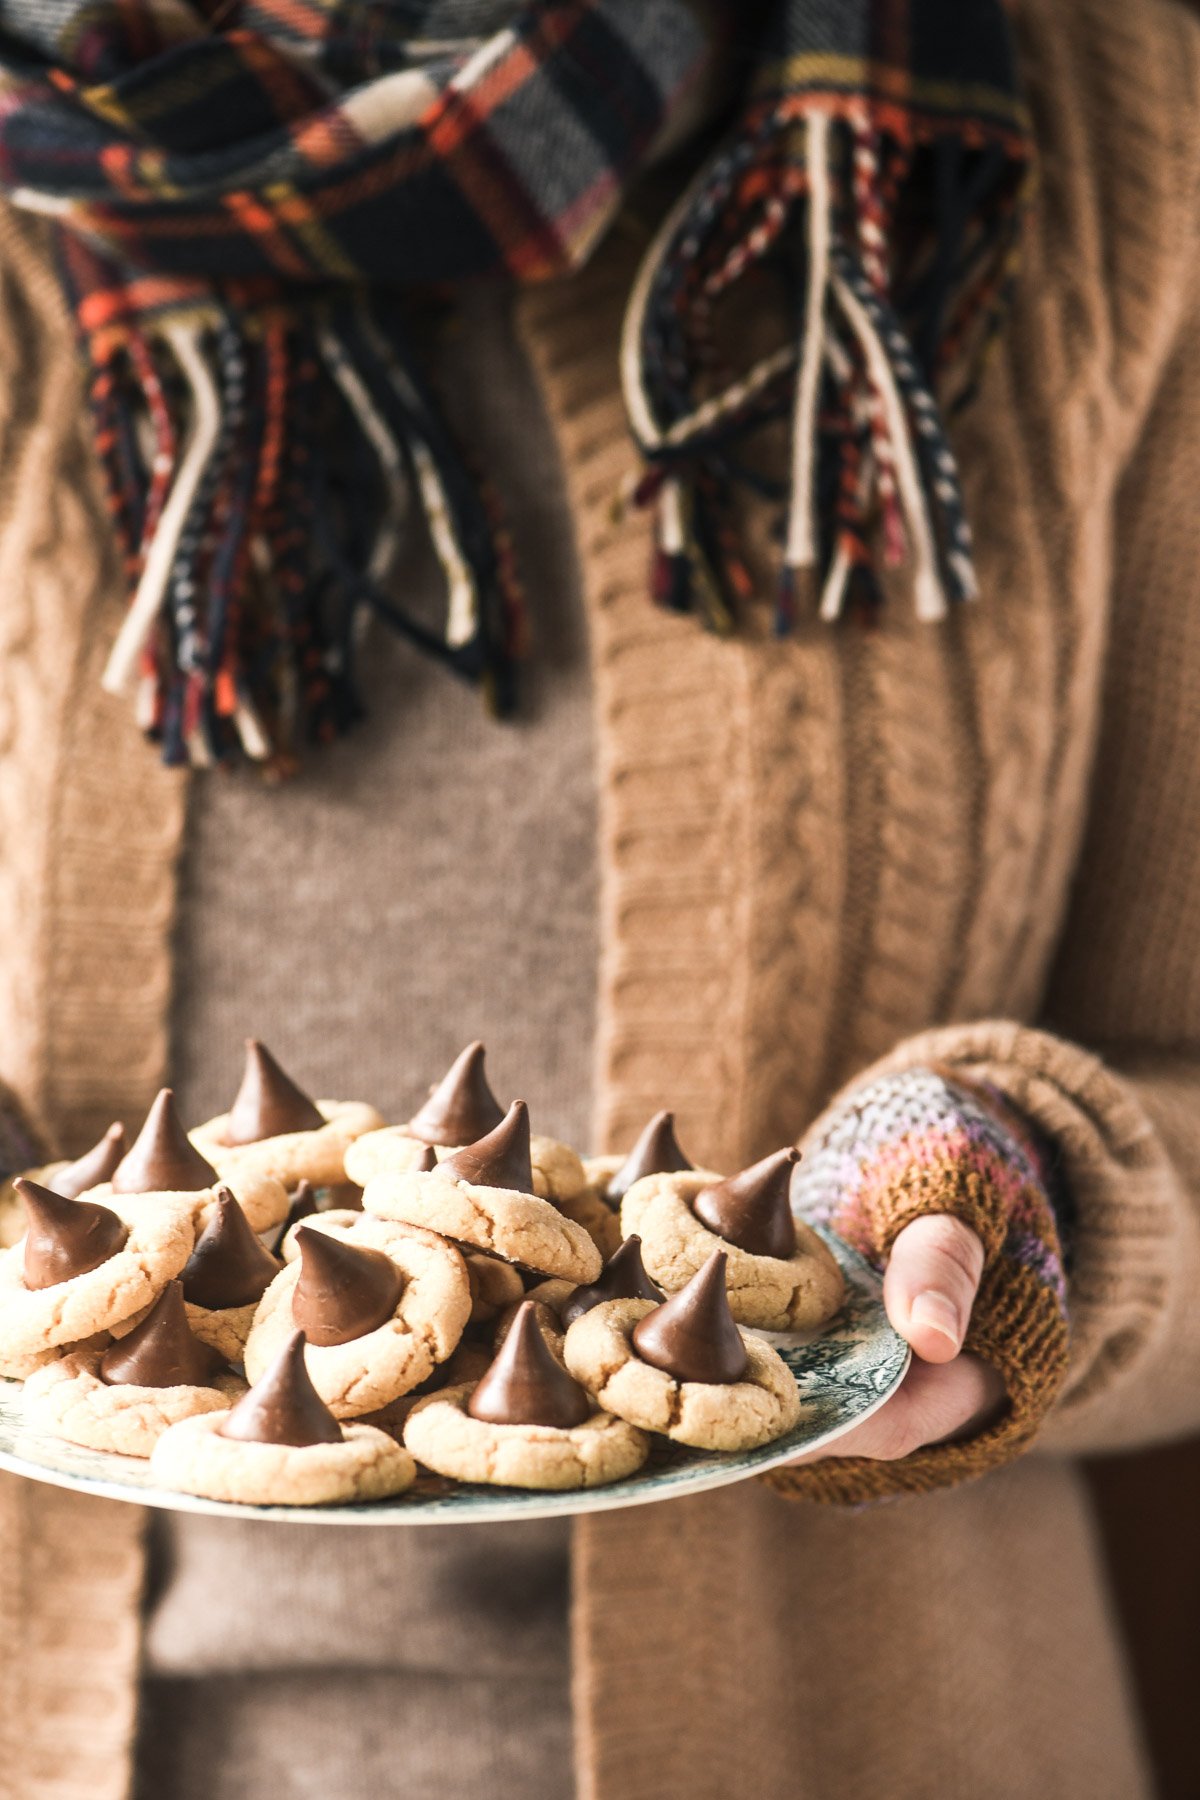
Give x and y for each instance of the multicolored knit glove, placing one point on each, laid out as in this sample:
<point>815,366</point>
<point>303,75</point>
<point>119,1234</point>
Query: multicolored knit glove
<point>916,1143</point>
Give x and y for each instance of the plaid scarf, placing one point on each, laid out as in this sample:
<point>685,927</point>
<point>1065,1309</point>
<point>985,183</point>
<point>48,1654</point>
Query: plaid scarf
<point>248,193</point>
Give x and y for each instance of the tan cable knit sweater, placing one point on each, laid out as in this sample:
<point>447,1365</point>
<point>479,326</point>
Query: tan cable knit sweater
<point>812,852</point>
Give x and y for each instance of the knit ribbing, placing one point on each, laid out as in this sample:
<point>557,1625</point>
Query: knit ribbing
<point>89,829</point>
<point>68,1623</point>
<point>1133,895</point>
<point>674,745</point>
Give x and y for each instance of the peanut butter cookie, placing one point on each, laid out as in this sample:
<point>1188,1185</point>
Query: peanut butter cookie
<point>683,1368</point>
<point>442,1435</point>
<point>193,1458</point>
<point>494,1284</point>
<point>83,1267</point>
<point>656,1152</point>
<point>337,1220</point>
<point>460,1110</point>
<point>20,1368</point>
<point>163,1162</point>
<point>798,1290</point>
<point>525,1424</point>
<point>381,1304</point>
<point>281,1446</point>
<point>274,1130</point>
<point>483,1197</point>
<point>225,1277</point>
<point>68,1398</point>
<point>124,1397</point>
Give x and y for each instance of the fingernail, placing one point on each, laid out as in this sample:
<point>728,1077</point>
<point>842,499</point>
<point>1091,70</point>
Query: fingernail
<point>939,1313</point>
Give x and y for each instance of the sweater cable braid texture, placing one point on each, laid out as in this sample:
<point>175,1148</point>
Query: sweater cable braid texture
<point>89,828</point>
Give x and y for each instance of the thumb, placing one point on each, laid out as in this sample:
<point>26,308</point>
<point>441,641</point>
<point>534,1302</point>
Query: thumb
<point>930,1286</point>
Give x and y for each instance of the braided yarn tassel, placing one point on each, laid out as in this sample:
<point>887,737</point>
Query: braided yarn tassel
<point>262,467</point>
<point>814,187</point>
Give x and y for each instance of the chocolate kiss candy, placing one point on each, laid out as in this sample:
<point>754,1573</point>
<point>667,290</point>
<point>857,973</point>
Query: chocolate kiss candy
<point>94,1166</point>
<point>66,1237</point>
<point>162,1159</point>
<point>343,1290</point>
<point>268,1104</point>
<point>692,1335</point>
<point>162,1351</point>
<point>501,1159</point>
<point>301,1206</point>
<point>656,1152</point>
<point>752,1210</point>
<point>283,1406</point>
<point>228,1266</point>
<point>526,1384</point>
<point>462,1107</point>
<point>623,1277</point>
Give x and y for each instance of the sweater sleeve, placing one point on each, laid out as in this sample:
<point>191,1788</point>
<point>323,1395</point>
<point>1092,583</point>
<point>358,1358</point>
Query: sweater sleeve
<point>914,1138</point>
<point>1111,1081</point>
<point>1037,1144</point>
<point>1124,1149</point>
<point>1126,981</point>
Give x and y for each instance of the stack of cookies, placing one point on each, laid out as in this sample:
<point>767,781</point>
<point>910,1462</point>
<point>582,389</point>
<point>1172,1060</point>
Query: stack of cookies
<point>297,1304</point>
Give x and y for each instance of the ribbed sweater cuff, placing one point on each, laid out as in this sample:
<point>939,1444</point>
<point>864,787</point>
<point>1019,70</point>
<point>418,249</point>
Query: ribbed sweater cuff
<point>923,1140</point>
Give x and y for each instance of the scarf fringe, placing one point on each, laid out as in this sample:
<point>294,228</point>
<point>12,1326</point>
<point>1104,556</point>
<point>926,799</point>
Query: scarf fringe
<point>243,198</point>
<point>873,478</point>
<point>263,469</point>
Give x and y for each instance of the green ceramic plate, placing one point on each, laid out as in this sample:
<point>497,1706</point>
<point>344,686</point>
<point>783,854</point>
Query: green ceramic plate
<point>843,1375</point>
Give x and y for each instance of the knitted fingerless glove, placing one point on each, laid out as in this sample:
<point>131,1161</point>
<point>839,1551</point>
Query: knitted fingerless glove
<point>923,1141</point>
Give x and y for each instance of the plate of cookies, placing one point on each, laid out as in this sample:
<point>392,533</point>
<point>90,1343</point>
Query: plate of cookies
<point>299,1311</point>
